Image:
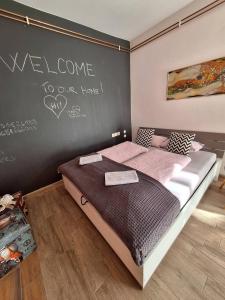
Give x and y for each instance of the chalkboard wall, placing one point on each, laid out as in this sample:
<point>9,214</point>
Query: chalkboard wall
<point>59,97</point>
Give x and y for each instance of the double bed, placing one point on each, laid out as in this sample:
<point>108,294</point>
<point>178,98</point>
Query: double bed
<point>188,184</point>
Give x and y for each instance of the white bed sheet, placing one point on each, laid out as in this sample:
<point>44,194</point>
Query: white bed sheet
<point>184,184</point>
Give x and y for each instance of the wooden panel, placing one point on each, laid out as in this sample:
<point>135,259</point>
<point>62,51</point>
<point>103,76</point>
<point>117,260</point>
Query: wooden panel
<point>214,141</point>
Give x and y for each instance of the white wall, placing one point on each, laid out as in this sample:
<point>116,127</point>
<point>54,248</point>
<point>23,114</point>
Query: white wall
<point>198,41</point>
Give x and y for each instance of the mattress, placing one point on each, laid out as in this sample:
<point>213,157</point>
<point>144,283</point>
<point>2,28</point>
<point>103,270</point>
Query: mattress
<point>184,184</point>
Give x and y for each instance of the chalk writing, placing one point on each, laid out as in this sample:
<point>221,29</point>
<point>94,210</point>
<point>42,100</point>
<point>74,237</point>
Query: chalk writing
<point>92,91</point>
<point>17,127</point>
<point>6,158</point>
<point>41,64</point>
<point>56,104</point>
<point>49,88</point>
<point>75,112</point>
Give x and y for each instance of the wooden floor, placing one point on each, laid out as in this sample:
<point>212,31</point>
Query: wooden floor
<point>74,262</point>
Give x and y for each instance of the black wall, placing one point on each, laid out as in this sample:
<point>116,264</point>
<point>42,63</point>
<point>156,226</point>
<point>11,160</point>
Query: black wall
<point>59,97</point>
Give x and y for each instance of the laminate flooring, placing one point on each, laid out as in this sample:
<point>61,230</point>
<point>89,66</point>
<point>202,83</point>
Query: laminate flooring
<point>74,262</point>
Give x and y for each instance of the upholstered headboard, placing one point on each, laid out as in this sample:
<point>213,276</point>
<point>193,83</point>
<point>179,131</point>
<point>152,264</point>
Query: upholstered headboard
<point>214,142</point>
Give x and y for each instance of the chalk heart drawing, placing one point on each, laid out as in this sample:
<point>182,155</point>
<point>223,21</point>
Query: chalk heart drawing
<point>56,104</point>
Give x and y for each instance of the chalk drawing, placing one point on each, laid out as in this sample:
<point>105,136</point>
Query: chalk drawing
<point>75,112</point>
<point>6,158</point>
<point>17,127</point>
<point>56,104</point>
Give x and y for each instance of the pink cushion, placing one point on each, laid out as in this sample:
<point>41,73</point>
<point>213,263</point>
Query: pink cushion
<point>196,146</point>
<point>122,152</point>
<point>157,140</point>
<point>165,143</point>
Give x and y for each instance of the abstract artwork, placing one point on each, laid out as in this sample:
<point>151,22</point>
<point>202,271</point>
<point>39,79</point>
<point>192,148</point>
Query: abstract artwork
<point>204,79</point>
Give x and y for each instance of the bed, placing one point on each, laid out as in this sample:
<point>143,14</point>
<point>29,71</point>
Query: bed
<point>188,185</point>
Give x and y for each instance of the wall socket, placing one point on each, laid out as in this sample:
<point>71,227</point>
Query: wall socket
<point>114,134</point>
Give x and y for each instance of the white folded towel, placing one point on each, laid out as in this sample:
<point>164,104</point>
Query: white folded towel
<point>90,159</point>
<point>122,177</point>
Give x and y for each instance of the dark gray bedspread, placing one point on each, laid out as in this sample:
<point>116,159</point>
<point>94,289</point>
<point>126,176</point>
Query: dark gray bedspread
<point>140,213</point>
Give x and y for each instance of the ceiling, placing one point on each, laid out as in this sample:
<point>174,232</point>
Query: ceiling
<point>125,19</point>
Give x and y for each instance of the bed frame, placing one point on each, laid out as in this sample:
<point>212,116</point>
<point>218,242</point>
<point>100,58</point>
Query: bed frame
<point>143,274</point>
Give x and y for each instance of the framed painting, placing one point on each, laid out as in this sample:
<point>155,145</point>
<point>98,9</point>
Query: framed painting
<point>204,79</point>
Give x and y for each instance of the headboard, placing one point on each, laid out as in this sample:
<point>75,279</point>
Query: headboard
<point>214,142</point>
